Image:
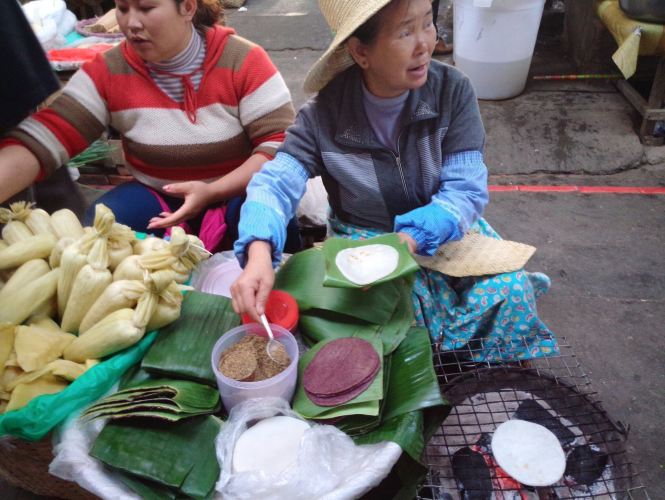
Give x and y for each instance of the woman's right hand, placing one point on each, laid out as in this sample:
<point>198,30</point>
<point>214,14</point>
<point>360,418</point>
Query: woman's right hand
<point>249,293</point>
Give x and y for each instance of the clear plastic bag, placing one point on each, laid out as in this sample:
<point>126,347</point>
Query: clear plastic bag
<point>329,465</point>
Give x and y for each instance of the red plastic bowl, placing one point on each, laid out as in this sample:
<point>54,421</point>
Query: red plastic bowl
<point>281,309</point>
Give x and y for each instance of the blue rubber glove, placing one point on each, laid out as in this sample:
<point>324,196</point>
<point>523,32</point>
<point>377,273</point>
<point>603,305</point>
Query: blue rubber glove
<point>430,226</point>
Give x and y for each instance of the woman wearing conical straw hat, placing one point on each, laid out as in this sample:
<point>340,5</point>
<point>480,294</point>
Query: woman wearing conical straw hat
<point>397,138</point>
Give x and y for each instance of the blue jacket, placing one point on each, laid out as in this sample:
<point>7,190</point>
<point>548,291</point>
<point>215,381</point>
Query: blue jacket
<point>434,187</point>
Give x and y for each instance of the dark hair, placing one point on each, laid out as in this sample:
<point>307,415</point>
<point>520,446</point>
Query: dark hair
<point>208,13</point>
<point>369,30</point>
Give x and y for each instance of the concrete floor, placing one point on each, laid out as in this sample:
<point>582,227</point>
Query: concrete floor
<point>602,251</point>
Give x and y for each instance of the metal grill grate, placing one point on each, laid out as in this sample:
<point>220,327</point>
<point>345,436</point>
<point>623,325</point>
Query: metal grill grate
<point>553,391</point>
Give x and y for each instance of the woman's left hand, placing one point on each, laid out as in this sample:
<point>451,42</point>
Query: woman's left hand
<point>198,196</point>
<point>410,242</point>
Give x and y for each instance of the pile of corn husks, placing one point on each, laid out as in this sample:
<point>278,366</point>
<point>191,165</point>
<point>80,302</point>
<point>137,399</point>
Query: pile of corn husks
<point>70,295</point>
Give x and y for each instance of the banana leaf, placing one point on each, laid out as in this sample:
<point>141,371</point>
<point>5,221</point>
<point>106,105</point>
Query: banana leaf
<point>135,375</point>
<point>184,347</point>
<point>166,399</point>
<point>413,382</point>
<point>177,455</point>
<point>302,276</point>
<point>147,490</point>
<point>366,403</point>
<point>406,265</point>
<point>317,325</point>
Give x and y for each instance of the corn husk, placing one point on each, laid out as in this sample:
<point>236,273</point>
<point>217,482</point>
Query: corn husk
<point>120,241</point>
<point>112,334</point>
<point>24,393</point>
<point>67,370</point>
<point>23,276</point>
<point>15,231</point>
<point>36,219</point>
<point>36,347</point>
<point>156,285</point>
<point>183,253</point>
<point>129,269</point>
<point>149,244</point>
<point>59,248</point>
<point>38,246</point>
<point>90,283</point>
<point>72,261</point>
<point>24,302</point>
<point>65,223</point>
<point>168,307</point>
<point>117,254</point>
<point>3,245</point>
<point>44,322</point>
<point>48,308</point>
<point>10,373</point>
<point>7,333</point>
<point>121,294</point>
<point>39,222</point>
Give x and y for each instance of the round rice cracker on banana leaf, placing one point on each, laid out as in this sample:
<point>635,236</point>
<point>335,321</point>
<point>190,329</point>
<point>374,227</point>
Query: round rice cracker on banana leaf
<point>340,367</point>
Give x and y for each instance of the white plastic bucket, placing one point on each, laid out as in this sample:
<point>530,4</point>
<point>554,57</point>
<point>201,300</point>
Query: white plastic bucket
<point>494,45</point>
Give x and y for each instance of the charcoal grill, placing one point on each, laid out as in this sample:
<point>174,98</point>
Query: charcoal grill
<point>554,392</point>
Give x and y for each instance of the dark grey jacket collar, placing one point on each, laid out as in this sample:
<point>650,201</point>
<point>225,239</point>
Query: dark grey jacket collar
<point>353,128</point>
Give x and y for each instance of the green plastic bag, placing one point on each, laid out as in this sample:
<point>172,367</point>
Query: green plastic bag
<point>43,413</point>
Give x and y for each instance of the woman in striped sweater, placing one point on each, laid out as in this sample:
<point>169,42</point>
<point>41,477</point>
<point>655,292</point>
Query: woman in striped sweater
<point>191,100</point>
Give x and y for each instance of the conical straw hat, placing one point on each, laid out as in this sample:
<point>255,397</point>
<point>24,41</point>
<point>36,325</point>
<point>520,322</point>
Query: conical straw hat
<point>344,17</point>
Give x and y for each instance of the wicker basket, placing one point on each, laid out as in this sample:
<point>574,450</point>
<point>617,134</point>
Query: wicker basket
<point>24,464</point>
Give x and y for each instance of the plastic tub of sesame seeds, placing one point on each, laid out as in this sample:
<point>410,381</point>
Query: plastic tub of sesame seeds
<point>244,370</point>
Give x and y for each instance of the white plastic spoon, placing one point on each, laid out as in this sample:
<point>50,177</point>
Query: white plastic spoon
<point>273,345</point>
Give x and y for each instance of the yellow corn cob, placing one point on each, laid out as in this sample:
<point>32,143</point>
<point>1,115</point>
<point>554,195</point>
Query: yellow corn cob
<point>65,223</point>
<point>38,246</point>
<point>23,302</point>
<point>112,334</point>
<point>120,294</point>
<point>23,276</point>
<point>15,231</point>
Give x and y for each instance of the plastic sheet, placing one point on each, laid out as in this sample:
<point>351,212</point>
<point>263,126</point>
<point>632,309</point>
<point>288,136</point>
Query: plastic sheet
<point>329,465</point>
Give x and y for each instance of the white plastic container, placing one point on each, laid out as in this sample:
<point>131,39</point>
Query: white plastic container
<point>281,385</point>
<point>494,45</point>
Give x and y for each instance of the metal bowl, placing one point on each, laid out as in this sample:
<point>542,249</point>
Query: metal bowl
<point>651,11</point>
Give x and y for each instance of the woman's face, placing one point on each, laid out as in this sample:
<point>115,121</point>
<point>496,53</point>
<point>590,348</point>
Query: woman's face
<point>157,29</point>
<point>399,57</point>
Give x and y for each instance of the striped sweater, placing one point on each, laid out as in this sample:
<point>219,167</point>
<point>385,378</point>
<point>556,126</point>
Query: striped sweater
<point>242,107</point>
